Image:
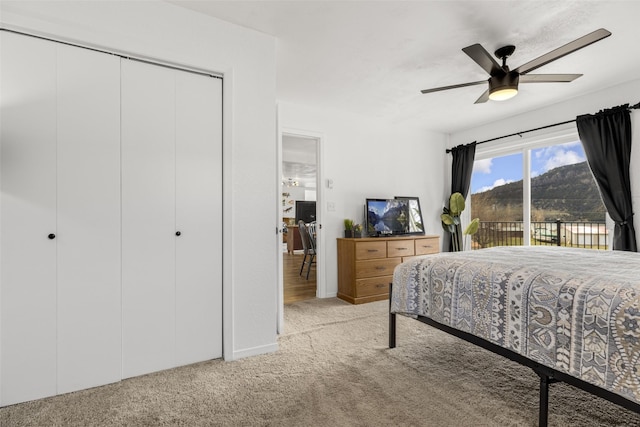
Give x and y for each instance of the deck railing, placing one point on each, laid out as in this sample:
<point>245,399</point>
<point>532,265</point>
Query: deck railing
<point>591,235</point>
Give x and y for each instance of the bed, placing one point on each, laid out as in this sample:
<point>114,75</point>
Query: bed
<point>570,314</point>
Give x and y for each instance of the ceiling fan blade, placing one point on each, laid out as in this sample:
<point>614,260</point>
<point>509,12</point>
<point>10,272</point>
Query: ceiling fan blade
<point>548,78</point>
<point>437,89</point>
<point>563,50</point>
<point>483,58</point>
<point>483,98</point>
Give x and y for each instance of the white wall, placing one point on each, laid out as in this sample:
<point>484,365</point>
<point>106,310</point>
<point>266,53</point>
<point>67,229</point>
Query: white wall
<point>169,33</point>
<point>627,93</point>
<point>297,193</point>
<point>368,158</point>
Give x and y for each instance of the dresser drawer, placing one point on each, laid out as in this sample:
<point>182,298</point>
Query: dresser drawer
<point>374,286</point>
<point>376,267</point>
<point>427,246</point>
<point>371,250</point>
<point>400,248</point>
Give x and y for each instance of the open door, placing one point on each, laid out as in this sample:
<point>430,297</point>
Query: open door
<point>299,178</point>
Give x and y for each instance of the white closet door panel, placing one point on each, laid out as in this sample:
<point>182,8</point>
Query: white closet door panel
<point>148,218</point>
<point>28,206</point>
<point>198,218</point>
<point>89,302</point>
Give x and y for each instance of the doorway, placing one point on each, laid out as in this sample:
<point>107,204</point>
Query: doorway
<point>299,203</point>
<point>310,141</point>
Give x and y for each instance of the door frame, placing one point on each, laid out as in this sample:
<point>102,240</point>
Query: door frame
<point>321,286</point>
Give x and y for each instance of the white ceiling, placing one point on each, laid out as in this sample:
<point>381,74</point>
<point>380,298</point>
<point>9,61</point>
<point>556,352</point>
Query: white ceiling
<point>299,163</point>
<point>374,57</point>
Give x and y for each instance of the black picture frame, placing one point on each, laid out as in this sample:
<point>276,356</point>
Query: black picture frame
<point>416,225</point>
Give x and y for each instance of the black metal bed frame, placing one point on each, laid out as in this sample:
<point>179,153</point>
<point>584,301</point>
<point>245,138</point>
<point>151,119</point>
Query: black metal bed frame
<point>547,375</point>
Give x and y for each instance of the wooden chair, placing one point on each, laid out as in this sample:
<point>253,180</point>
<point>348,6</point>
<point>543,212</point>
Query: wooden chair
<point>311,228</point>
<point>308,246</point>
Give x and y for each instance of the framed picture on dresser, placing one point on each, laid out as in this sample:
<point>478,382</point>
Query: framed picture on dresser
<point>416,225</point>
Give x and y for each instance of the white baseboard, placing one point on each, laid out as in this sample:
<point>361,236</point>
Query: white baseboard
<point>255,351</point>
<point>330,295</point>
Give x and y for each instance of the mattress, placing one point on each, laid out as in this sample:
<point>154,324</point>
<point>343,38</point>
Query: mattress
<point>574,310</point>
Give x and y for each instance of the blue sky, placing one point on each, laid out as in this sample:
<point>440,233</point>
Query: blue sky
<point>498,171</point>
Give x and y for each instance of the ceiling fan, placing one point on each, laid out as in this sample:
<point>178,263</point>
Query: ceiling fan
<point>503,83</point>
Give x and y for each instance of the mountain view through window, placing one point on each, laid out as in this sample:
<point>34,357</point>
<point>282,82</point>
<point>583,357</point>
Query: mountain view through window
<point>565,205</point>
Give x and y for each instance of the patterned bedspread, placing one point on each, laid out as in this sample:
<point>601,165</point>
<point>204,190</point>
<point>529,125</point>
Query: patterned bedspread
<point>574,310</point>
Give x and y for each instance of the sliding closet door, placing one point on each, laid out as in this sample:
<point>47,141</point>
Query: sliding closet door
<point>198,218</point>
<point>88,240</point>
<point>171,218</point>
<point>28,217</point>
<point>148,218</point>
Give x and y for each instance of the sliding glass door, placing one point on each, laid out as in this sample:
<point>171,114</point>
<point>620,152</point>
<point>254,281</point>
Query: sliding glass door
<point>542,195</point>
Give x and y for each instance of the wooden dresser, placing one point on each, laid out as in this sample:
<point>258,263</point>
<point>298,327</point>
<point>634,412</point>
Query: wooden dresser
<point>365,266</point>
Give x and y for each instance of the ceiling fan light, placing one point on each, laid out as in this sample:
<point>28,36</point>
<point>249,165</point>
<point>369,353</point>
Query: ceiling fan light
<point>503,87</point>
<point>502,94</point>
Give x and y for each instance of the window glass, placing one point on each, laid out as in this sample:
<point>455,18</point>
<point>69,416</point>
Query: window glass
<point>565,204</point>
<point>496,198</point>
<point>566,207</point>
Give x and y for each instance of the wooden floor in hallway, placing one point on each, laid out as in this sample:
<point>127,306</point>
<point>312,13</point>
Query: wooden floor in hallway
<point>296,286</point>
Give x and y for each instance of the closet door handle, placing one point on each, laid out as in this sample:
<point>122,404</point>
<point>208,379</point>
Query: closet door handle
<point>51,236</point>
<point>178,233</point>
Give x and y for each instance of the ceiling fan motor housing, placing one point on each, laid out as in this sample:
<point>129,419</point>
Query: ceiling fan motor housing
<point>507,80</point>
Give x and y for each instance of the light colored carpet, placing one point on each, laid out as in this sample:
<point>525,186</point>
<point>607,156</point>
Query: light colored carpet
<point>333,369</point>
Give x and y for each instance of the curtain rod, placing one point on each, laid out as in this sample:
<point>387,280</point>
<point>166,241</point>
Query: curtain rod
<point>633,107</point>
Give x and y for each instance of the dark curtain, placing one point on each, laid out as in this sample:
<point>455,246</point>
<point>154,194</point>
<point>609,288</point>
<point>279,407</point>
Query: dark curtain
<point>606,137</point>
<point>462,167</point>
